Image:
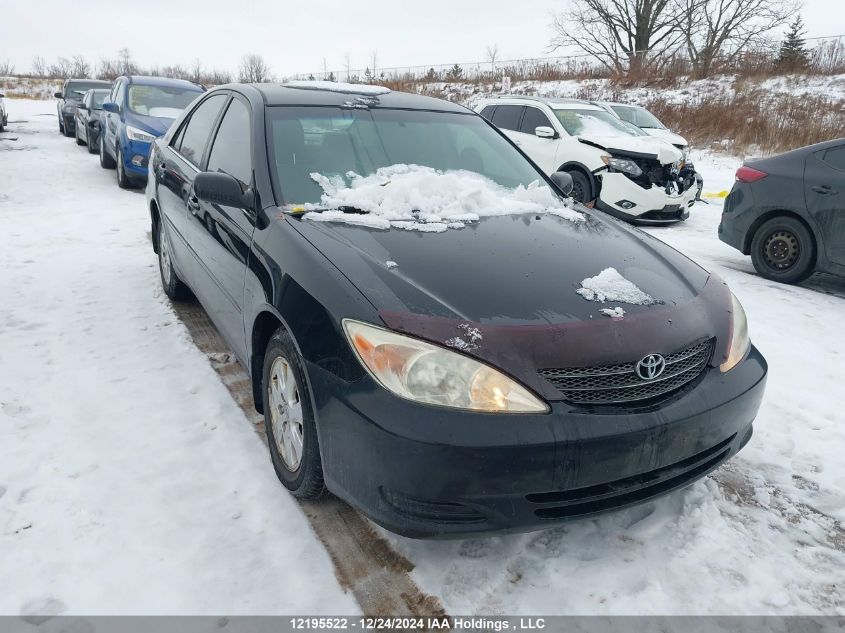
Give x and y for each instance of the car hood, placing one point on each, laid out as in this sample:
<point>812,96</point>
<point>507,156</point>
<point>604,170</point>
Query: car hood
<point>152,124</point>
<point>638,145</point>
<point>666,135</point>
<point>515,279</point>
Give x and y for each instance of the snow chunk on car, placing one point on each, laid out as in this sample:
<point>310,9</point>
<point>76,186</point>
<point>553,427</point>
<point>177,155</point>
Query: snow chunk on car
<point>418,198</point>
<point>339,86</point>
<point>609,285</point>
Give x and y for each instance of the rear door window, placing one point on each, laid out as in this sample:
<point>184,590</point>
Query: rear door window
<point>506,117</point>
<point>835,157</point>
<point>487,112</point>
<point>194,136</point>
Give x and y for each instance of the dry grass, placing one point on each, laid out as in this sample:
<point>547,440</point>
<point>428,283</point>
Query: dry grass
<point>754,121</point>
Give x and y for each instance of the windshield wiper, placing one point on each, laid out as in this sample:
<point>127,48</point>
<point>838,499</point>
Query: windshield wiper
<point>299,209</point>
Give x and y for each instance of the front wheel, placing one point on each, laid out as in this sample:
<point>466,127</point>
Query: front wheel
<point>173,287</point>
<point>92,147</point>
<point>582,189</point>
<point>79,141</point>
<point>783,250</point>
<point>106,161</point>
<point>289,419</point>
<point>122,179</point>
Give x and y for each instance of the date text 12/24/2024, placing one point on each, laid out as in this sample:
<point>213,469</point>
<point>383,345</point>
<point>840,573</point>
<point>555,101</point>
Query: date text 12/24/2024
<point>443,623</point>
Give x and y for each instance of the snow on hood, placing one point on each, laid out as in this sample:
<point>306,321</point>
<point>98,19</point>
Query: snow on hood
<point>609,285</point>
<point>663,152</point>
<point>339,86</point>
<point>666,135</point>
<point>418,198</point>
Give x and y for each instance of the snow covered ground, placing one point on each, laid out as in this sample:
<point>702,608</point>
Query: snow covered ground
<point>765,534</point>
<point>130,481</point>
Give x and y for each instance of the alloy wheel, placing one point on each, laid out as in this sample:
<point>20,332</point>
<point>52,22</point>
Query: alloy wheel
<point>164,256</point>
<point>285,413</point>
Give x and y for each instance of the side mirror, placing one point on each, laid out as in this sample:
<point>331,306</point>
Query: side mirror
<point>58,95</point>
<point>111,106</point>
<point>2,95</point>
<point>563,181</point>
<point>544,131</point>
<point>220,188</point>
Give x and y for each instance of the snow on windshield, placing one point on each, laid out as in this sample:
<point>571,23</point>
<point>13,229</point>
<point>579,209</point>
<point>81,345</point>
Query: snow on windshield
<point>418,198</point>
<point>609,285</point>
<point>339,86</point>
<point>592,123</point>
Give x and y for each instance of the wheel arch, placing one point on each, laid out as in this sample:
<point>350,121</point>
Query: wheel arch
<point>778,213</point>
<point>576,166</point>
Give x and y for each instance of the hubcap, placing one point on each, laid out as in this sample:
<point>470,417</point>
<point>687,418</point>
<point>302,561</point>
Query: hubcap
<point>285,413</point>
<point>164,256</point>
<point>781,250</point>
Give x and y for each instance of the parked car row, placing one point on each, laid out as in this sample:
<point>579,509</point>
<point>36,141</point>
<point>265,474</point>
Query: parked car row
<point>4,118</point>
<point>121,119</point>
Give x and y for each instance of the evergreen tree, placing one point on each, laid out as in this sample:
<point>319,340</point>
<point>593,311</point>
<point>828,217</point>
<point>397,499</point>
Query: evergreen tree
<point>793,51</point>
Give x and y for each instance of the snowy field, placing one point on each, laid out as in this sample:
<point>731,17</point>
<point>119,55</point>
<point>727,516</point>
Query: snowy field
<point>131,483</point>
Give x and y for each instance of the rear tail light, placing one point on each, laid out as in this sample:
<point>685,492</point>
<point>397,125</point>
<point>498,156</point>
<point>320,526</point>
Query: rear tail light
<point>749,174</point>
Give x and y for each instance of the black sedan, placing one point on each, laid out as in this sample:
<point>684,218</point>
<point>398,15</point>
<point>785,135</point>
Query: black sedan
<point>87,119</point>
<point>69,98</point>
<point>788,212</point>
<point>446,372</point>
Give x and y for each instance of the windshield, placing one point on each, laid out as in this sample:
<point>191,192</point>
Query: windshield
<point>98,97</point>
<point>75,89</point>
<point>160,101</point>
<point>579,122</point>
<point>333,141</point>
<point>639,117</point>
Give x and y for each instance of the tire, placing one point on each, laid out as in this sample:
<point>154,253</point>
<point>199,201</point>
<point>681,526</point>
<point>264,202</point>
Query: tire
<point>783,250</point>
<point>582,189</point>
<point>122,179</point>
<point>65,131</point>
<point>172,285</point>
<point>61,125</point>
<point>288,414</point>
<point>106,161</point>
<point>92,148</point>
<point>79,141</point>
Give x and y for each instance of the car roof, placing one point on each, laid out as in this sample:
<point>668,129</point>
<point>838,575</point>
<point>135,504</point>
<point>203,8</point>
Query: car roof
<point>146,80</point>
<point>316,93</point>
<point>104,82</point>
<point>556,104</point>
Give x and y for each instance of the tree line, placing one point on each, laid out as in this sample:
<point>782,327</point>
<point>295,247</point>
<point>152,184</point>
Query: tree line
<point>252,69</point>
<point>635,37</point>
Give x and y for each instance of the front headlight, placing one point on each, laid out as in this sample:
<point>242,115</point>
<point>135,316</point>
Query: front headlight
<point>624,165</point>
<point>420,371</point>
<point>739,336</point>
<point>135,134</point>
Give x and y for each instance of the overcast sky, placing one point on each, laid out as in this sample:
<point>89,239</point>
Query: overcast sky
<point>295,36</point>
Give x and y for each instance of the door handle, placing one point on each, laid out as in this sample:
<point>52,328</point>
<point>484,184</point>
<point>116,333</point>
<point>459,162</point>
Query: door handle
<point>823,189</point>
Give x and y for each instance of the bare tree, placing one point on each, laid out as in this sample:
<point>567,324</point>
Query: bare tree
<point>124,62</point>
<point>81,68</point>
<point>39,66</point>
<point>61,69</point>
<point>108,69</point>
<point>196,71</point>
<point>492,56</point>
<point>722,30</point>
<point>253,69</point>
<point>374,57</point>
<point>7,68</point>
<point>347,61</point>
<point>623,35</point>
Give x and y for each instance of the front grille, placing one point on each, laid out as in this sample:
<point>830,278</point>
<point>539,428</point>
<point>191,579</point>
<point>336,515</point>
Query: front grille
<point>620,384</point>
<point>667,213</point>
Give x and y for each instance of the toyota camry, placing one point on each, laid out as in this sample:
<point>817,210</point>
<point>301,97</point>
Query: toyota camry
<point>434,330</point>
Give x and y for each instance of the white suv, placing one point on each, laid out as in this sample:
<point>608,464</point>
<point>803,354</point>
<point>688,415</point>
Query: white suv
<point>633,177</point>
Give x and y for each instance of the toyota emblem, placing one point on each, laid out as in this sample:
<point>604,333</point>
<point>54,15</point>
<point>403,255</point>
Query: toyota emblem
<point>651,366</point>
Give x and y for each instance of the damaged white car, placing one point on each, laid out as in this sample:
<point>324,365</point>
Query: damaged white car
<point>637,178</point>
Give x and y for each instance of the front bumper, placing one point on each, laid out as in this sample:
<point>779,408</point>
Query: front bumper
<point>650,206</point>
<point>136,157</point>
<point>426,472</point>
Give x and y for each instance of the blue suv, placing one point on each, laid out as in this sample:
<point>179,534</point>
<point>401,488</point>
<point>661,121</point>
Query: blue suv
<point>136,112</point>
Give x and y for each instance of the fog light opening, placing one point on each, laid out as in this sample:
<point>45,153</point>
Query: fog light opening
<point>137,160</point>
<point>626,204</point>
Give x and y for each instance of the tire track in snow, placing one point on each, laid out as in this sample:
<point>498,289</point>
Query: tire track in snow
<point>365,563</point>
